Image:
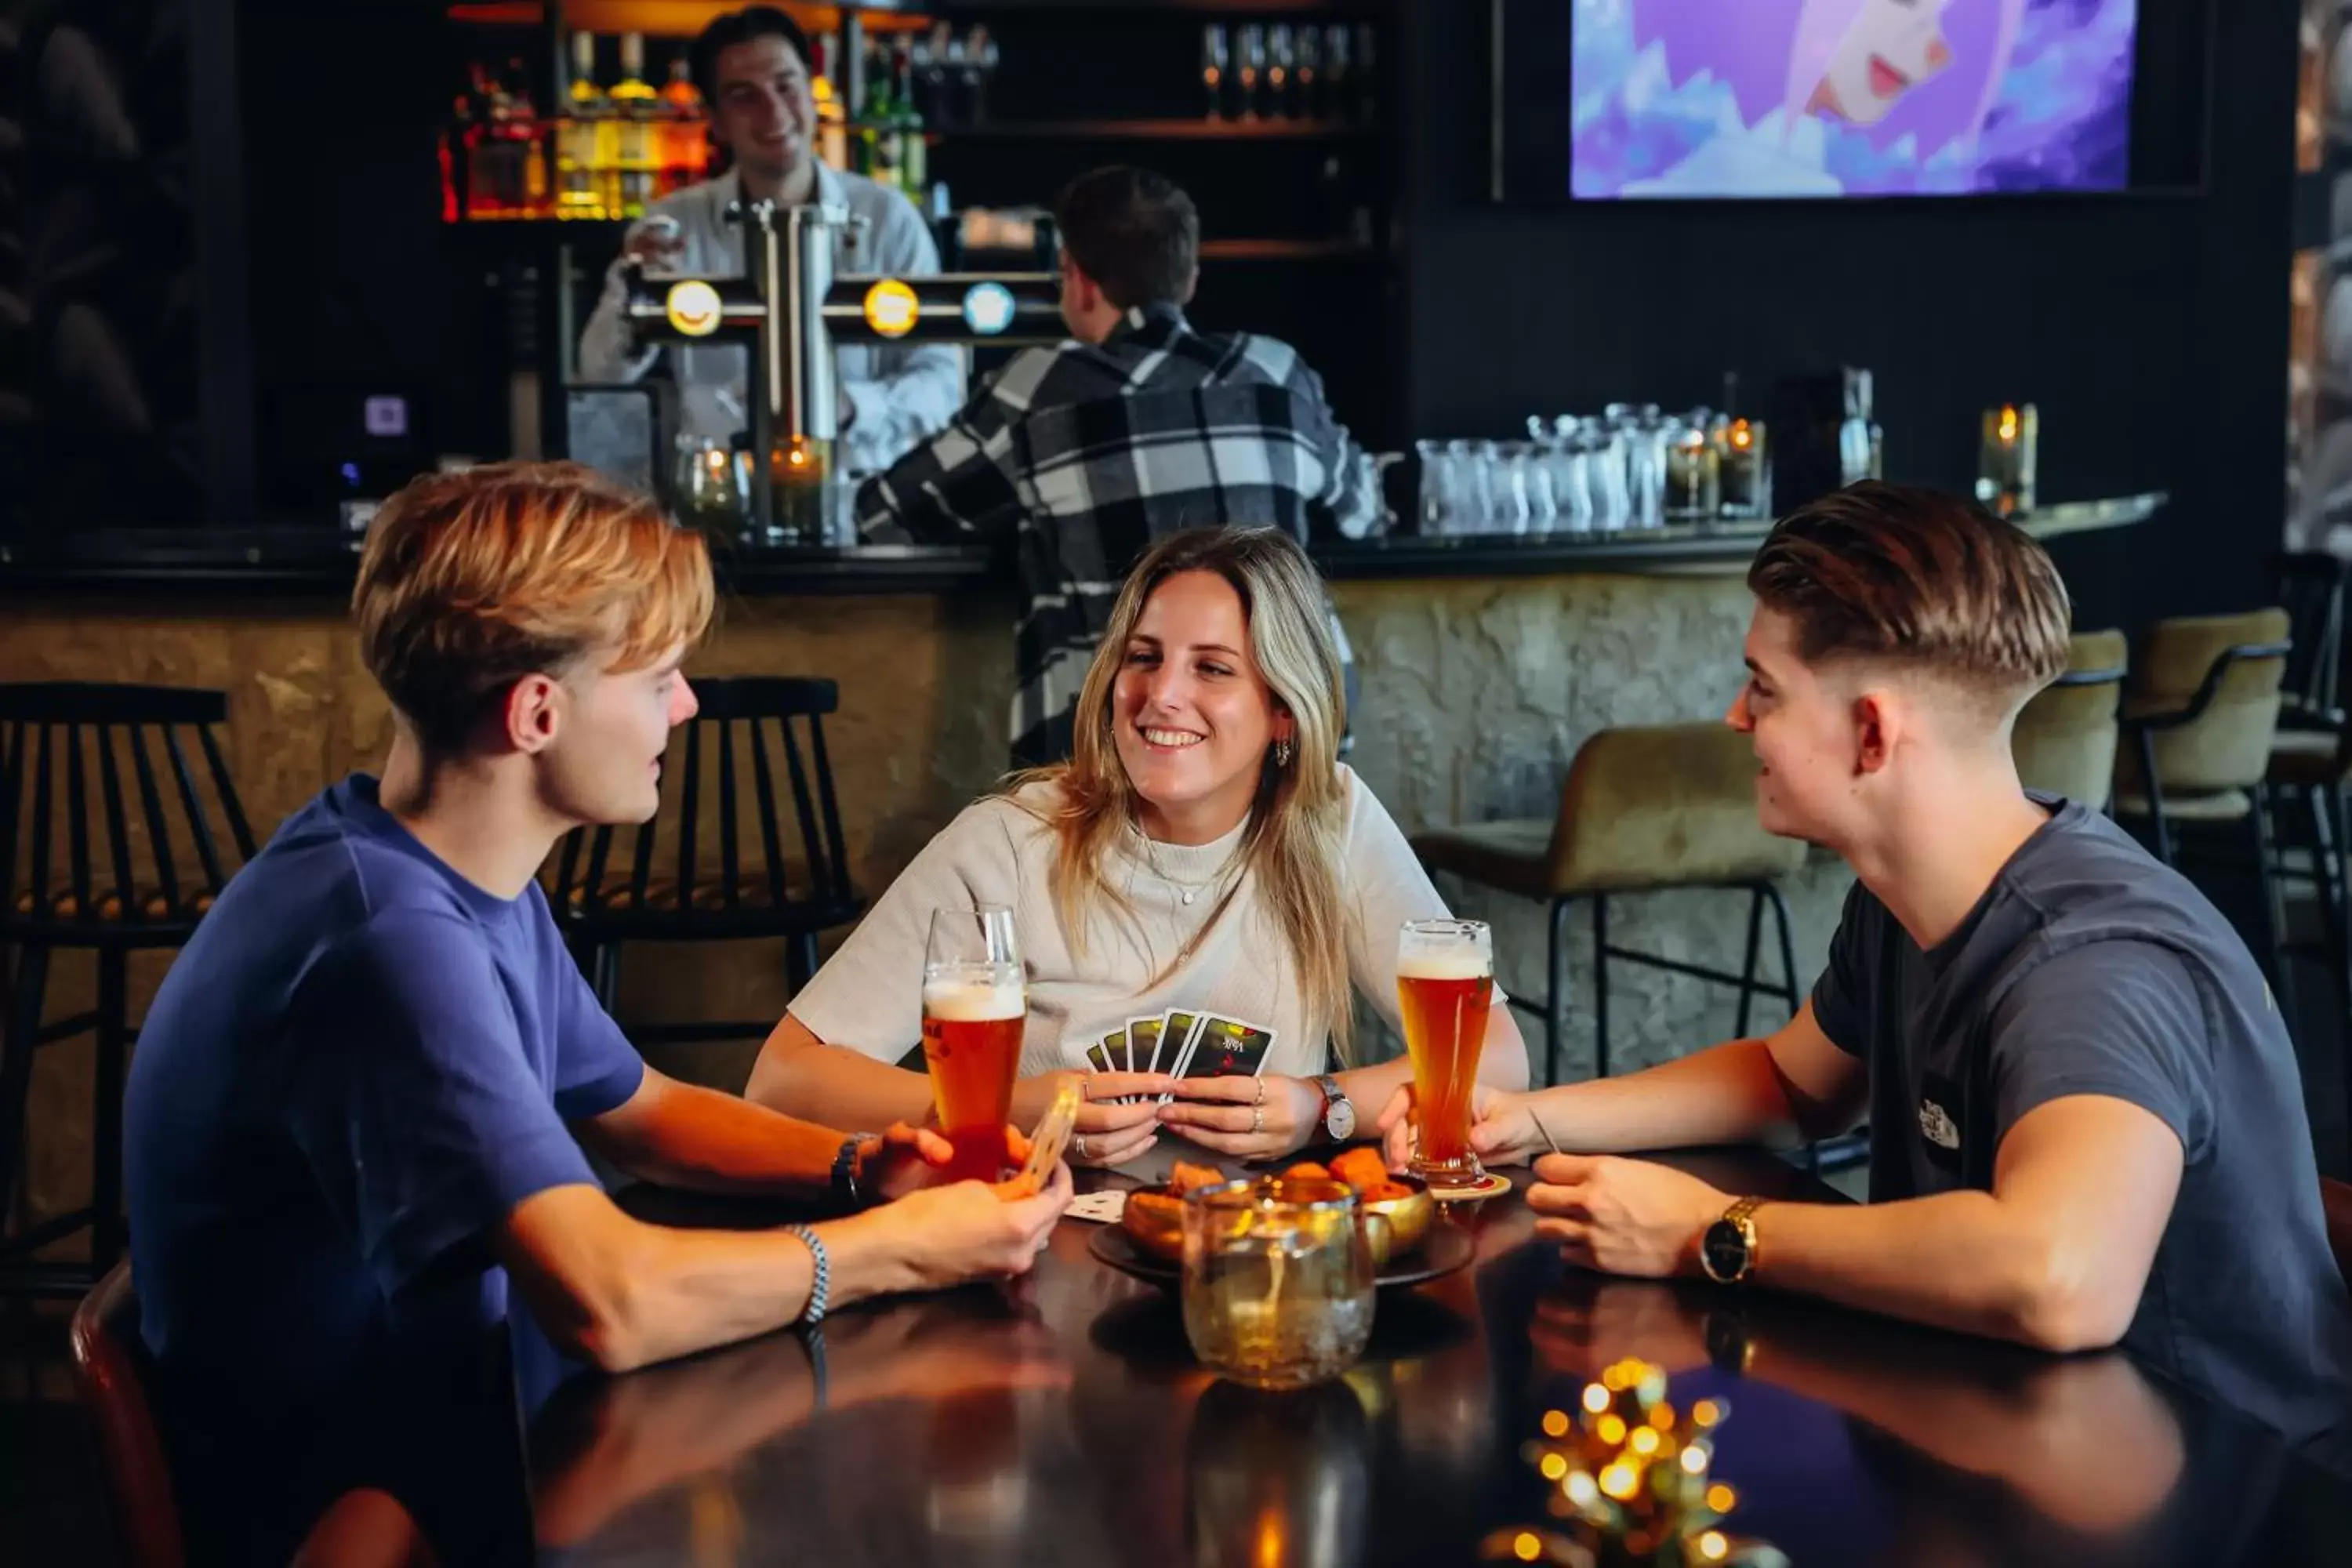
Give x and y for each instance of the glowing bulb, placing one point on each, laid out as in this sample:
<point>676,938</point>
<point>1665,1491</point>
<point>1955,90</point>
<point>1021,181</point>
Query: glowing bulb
<point>1580,1490</point>
<point>1620,1481</point>
<point>1721,1498</point>
<point>1554,1466</point>
<point>1611,1429</point>
<point>1525,1547</point>
<point>1662,1416</point>
<point>1694,1460</point>
<point>1645,1441</point>
<point>1712,1546</point>
<point>1706,1412</point>
<point>1555,1422</point>
<point>1596,1399</point>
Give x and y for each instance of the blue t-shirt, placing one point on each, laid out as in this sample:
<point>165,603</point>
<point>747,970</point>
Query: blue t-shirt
<point>360,1064</point>
<point>2090,968</point>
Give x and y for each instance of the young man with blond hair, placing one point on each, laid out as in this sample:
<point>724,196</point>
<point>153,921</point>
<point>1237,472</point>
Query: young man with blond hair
<point>2087,1124</point>
<point>353,1118</point>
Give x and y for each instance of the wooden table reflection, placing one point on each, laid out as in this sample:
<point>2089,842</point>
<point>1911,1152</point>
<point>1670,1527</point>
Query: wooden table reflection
<point>1064,1421</point>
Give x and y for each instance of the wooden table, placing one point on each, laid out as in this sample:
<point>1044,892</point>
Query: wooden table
<point>1065,1421</point>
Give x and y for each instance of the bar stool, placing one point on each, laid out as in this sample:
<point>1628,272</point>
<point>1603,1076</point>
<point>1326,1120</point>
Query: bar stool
<point>1644,810</point>
<point>2065,737</point>
<point>52,737</point>
<point>751,721</point>
<point>2199,718</point>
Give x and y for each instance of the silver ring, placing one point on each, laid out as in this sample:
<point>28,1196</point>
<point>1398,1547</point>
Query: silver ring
<point>1257,1119</point>
<point>1079,1144</point>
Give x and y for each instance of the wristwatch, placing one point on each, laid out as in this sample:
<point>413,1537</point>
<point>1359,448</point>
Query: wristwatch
<point>1727,1251</point>
<point>1338,1110</point>
<point>847,1190</point>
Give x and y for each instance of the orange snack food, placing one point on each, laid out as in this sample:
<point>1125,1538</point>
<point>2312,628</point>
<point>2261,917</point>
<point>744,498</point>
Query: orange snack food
<point>1187,1178</point>
<point>1307,1171</point>
<point>1361,1168</point>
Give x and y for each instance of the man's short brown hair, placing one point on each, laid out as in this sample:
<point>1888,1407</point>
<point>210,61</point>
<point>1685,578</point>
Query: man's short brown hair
<point>471,580</point>
<point>1879,571</point>
<point>1133,232</point>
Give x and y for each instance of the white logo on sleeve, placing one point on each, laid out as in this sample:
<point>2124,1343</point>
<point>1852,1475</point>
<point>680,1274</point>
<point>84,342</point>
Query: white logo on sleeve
<point>1938,1125</point>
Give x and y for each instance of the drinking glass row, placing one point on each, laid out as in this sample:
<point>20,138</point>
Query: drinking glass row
<point>1629,469</point>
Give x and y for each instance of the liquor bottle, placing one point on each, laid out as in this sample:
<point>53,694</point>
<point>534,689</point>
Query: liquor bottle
<point>526,161</point>
<point>877,142</point>
<point>1249,69</point>
<point>1308,75</point>
<point>1367,73</point>
<point>1216,69</point>
<point>637,109</point>
<point>914,153</point>
<point>934,102</point>
<point>1338,71</point>
<point>982,56</point>
<point>473,169</point>
<point>832,113</point>
<point>686,158</point>
<point>1281,62</point>
<point>587,146</point>
<point>1861,445</point>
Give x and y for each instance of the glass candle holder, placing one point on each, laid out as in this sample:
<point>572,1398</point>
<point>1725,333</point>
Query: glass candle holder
<point>1277,1280</point>
<point>1740,455</point>
<point>2007,452</point>
<point>1694,475</point>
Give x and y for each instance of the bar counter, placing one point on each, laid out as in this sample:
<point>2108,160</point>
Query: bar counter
<point>318,560</point>
<point>1064,1420</point>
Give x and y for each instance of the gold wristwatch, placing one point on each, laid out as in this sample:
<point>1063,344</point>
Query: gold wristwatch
<point>1728,1250</point>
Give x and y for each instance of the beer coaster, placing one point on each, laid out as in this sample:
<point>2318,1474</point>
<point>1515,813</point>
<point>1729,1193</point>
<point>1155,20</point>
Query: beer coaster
<point>1489,1186</point>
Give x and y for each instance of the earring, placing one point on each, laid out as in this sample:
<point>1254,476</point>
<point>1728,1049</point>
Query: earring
<point>1282,751</point>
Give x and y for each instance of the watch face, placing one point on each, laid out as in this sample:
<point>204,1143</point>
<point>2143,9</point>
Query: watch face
<point>1339,1120</point>
<point>1724,1250</point>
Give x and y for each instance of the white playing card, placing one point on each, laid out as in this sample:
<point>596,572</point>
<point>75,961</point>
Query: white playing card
<point>1102,1208</point>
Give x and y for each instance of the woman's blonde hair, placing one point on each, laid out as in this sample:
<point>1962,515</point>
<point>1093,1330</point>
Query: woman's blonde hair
<point>1295,840</point>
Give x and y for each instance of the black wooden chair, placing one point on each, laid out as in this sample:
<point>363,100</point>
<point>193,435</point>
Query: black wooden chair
<point>797,888</point>
<point>2311,755</point>
<point>101,869</point>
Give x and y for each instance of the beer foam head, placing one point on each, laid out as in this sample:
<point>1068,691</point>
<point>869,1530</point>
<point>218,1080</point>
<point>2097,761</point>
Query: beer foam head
<point>978,1000</point>
<point>1444,964</point>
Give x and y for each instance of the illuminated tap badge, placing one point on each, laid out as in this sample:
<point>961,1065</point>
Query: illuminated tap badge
<point>693,308</point>
<point>891,308</point>
<point>988,308</point>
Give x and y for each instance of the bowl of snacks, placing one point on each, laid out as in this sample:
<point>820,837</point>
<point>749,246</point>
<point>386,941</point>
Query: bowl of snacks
<point>1398,1210</point>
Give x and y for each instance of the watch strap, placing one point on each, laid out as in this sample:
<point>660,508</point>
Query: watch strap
<point>1328,1084</point>
<point>846,1189</point>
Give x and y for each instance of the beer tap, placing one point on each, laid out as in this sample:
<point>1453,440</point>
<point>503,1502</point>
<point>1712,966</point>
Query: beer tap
<point>792,311</point>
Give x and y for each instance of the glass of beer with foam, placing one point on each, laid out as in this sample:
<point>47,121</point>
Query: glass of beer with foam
<point>1445,984</point>
<point>974,1006</point>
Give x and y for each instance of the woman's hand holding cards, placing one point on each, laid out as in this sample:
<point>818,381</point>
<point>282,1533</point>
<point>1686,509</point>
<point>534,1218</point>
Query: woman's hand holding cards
<point>1111,1131</point>
<point>1253,1118</point>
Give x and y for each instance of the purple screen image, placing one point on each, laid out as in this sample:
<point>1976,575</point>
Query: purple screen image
<point>1835,98</point>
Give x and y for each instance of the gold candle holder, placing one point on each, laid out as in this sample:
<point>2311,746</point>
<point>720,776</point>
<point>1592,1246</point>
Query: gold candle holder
<point>2007,452</point>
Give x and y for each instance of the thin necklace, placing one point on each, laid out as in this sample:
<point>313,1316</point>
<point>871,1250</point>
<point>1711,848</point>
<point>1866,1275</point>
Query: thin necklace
<point>1186,892</point>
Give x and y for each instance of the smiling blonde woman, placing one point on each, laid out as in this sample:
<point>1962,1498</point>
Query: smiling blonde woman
<point>1203,850</point>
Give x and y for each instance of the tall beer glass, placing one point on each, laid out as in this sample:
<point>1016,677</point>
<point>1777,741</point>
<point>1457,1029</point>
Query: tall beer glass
<point>974,1006</point>
<point>1445,984</point>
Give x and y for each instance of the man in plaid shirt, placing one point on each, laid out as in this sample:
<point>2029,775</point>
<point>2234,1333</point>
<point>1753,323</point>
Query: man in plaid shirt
<point>1135,428</point>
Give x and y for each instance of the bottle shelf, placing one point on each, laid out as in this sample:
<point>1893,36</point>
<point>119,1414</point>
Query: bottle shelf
<point>1240,250</point>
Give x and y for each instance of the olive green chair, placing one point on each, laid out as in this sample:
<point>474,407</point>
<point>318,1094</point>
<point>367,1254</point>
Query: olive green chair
<point>2201,717</point>
<point>2066,739</point>
<point>1643,810</point>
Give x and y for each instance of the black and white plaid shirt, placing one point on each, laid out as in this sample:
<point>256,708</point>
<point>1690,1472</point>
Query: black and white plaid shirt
<point>1088,453</point>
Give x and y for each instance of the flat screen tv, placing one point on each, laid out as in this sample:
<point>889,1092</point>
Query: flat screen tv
<point>1664,99</point>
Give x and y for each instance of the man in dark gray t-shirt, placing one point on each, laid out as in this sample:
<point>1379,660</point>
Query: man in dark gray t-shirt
<point>2090,968</point>
<point>2087,1124</point>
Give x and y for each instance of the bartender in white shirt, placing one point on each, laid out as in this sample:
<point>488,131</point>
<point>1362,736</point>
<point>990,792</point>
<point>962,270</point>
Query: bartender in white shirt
<point>753,68</point>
